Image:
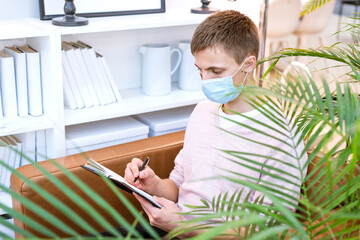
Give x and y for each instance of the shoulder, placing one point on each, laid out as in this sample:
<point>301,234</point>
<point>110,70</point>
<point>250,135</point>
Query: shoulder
<point>205,107</point>
<point>204,113</point>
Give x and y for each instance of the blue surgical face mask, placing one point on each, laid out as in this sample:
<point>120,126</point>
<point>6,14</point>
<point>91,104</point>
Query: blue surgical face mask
<point>222,90</point>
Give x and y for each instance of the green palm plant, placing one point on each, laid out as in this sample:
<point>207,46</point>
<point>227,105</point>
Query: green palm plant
<point>329,202</point>
<point>294,102</point>
<point>329,119</point>
<point>76,199</point>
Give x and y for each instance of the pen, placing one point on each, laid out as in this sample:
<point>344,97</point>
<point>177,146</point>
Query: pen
<point>143,166</point>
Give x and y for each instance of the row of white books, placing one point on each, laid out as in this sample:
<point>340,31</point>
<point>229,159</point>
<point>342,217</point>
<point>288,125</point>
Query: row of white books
<point>87,79</point>
<point>14,151</point>
<point>20,80</point>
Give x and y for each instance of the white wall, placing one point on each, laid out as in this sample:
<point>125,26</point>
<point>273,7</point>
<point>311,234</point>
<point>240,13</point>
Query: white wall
<point>13,9</point>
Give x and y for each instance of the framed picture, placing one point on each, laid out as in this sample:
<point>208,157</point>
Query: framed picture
<point>99,8</point>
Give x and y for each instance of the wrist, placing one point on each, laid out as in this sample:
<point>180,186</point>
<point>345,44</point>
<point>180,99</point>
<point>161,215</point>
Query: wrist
<point>153,188</point>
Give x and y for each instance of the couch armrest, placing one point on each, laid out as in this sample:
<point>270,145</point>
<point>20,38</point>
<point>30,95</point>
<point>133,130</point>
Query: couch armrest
<point>162,151</point>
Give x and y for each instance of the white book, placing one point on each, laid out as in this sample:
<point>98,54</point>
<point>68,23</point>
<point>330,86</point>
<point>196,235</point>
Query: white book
<point>69,98</point>
<point>104,78</point>
<point>21,80</point>
<point>19,146</point>
<point>28,141</point>
<point>79,52</point>
<point>2,123</point>
<point>71,80</point>
<point>33,80</point>
<point>2,159</point>
<point>101,76</point>
<point>88,53</point>
<point>8,160</point>
<point>12,158</point>
<point>8,86</point>
<point>40,147</point>
<point>110,78</point>
<point>101,170</point>
<point>5,160</point>
<point>79,78</point>
<point>104,83</point>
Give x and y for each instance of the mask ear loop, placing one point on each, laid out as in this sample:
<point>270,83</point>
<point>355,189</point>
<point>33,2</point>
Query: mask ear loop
<point>239,70</point>
<point>244,78</point>
<point>240,67</point>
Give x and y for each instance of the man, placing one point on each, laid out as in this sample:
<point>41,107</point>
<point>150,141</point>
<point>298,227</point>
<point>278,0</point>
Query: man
<point>225,47</point>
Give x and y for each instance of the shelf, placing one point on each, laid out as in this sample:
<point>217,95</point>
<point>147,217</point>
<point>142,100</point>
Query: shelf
<point>24,124</point>
<point>170,18</point>
<point>5,199</point>
<point>134,102</point>
<point>13,29</point>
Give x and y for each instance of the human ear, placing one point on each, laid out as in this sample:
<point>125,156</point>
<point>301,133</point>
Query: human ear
<point>250,64</point>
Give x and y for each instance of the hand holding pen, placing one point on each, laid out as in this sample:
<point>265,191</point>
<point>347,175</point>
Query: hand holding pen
<point>142,167</point>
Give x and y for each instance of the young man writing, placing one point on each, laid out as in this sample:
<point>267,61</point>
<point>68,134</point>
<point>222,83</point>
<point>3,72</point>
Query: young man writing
<point>225,47</point>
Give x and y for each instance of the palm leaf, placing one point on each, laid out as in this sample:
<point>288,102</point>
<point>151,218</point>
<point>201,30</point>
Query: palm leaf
<point>76,199</point>
<point>314,112</point>
<point>312,5</point>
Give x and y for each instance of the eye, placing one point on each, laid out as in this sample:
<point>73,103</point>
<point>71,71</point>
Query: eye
<point>216,72</point>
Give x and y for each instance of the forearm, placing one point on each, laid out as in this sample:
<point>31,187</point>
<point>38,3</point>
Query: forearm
<point>165,188</point>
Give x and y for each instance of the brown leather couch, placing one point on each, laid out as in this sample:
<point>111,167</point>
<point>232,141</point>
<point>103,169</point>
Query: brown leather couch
<point>162,151</point>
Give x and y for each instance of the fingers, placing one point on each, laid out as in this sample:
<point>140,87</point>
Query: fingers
<point>145,204</point>
<point>132,170</point>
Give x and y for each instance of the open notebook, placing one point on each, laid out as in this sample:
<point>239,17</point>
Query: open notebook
<point>119,181</point>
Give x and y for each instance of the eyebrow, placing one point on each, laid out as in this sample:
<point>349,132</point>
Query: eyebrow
<point>212,67</point>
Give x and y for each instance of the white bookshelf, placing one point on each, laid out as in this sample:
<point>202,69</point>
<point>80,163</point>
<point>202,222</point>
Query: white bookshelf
<point>5,199</point>
<point>134,102</point>
<point>118,39</point>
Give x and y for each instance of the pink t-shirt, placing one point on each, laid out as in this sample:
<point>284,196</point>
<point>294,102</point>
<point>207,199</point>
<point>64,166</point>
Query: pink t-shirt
<point>201,158</point>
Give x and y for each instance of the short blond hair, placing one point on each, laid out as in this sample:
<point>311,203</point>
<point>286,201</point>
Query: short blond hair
<point>235,32</point>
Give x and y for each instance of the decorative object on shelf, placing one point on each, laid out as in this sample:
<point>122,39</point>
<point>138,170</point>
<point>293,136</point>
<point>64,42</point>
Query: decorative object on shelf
<point>85,8</point>
<point>204,9</point>
<point>156,68</point>
<point>70,19</point>
<point>189,76</point>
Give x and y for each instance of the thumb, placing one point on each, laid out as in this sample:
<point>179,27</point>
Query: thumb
<point>146,173</point>
<point>143,174</point>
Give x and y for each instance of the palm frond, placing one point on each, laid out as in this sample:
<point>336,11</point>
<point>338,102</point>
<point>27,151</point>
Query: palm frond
<point>312,5</point>
<point>331,183</point>
<point>76,199</point>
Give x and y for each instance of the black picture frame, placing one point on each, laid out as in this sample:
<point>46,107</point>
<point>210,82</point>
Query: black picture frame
<point>46,15</point>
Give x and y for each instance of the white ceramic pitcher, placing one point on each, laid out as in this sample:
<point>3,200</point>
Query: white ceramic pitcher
<point>189,76</point>
<point>156,68</point>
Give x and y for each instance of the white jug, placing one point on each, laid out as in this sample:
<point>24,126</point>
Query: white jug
<point>189,76</point>
<point>156,68</point>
